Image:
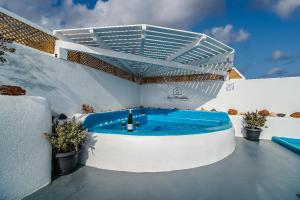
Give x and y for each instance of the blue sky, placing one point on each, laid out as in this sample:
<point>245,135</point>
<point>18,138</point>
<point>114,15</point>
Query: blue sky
<point>264,33</point>
<point>273,46</point>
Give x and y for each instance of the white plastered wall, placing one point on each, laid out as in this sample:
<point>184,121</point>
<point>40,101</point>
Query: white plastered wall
<point>69,85</point>
<point>164,95</point>
<point>278,95</point>
<point>65,84</point>
<point>274,94</point>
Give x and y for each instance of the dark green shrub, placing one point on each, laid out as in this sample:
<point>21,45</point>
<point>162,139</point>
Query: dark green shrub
<point>67,137</point>
<point>4,48</point>
<point>254,120</point>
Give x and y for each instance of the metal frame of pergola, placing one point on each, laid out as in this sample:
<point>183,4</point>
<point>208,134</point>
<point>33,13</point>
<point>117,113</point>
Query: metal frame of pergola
<point>147,50</point>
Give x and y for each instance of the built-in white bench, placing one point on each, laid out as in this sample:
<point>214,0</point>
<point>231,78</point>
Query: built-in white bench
<point>276,126</point>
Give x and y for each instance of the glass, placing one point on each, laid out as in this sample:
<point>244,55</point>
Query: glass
<point>123,124</point>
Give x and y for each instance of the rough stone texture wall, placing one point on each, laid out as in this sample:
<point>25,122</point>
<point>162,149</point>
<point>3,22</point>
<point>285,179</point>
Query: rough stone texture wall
<point>25,154</point>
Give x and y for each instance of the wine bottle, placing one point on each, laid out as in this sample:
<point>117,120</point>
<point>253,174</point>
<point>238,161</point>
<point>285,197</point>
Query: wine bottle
<point>130,122</point>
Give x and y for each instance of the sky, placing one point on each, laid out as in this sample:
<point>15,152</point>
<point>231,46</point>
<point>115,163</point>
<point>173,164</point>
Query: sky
<point>264,33</point>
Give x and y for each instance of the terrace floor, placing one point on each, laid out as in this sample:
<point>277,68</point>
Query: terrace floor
<point>261,170</point>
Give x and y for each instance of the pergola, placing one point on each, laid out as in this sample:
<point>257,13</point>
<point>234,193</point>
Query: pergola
<point>149,51</point>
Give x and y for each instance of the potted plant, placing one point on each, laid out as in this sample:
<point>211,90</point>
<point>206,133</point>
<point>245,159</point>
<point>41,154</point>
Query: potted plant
<point>66,140</point>
<point>253,122</point>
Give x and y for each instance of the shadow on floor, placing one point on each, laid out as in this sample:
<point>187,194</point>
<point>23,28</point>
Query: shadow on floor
<point>261,170</point>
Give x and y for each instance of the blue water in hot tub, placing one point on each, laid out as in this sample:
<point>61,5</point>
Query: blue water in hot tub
<point>158,122</point>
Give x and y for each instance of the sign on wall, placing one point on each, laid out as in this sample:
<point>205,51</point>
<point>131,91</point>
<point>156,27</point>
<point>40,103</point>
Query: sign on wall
<point>229,87</point>
<point>177,94</point>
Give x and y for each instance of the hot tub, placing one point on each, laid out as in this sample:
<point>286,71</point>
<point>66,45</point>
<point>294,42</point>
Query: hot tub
<point>162,140</point>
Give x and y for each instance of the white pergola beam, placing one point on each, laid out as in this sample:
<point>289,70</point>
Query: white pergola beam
<point>143,38</point>
<point>208,54</point>
<point>61,36</point>
<point>220,43</point>
<point>215,46</point>
<point>161,71</point>
<point>227,57</point>
<point>152,41</point>
<point>186,48</point>
<point>138,47</point>
<point>206,48</point>
<point>131,57</point>
<point>173,35</point>
<point>102,44</point>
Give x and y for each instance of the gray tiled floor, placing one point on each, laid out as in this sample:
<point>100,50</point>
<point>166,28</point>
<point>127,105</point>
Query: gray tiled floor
<point>262,170</point>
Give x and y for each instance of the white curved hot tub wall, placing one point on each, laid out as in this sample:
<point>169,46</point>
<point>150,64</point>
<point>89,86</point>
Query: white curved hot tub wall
<point>25,154</point>
<point>157,153</point>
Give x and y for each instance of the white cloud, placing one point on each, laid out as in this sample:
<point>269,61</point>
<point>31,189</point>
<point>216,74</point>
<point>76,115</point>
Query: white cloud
<point>172,13</point>
<point>279,72</point>
<point>283,8</point>
<point>278,55</point>
<point>241,35</point>
<point>44,21</point>
<point>227,34</point>
<point>275,71</point>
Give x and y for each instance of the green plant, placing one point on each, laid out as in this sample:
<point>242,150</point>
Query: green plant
<point>67,137</point>
<point>254,120</point>
<point>4,48</point>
